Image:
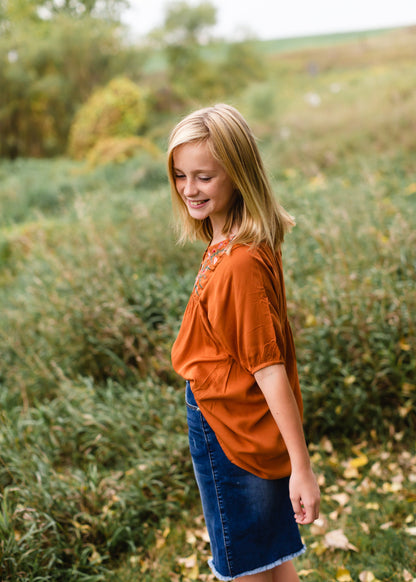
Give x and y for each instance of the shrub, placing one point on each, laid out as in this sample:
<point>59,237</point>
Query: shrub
<point>117,110</point>
<point>118,149</point>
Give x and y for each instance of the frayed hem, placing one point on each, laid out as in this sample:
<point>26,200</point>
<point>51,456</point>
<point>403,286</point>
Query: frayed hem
<point>257,570</point>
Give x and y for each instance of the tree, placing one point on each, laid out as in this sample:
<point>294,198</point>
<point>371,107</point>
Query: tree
<point>198,68</point>
<point>47,70</point>
<point>184,30</point>
<point>17,10</point>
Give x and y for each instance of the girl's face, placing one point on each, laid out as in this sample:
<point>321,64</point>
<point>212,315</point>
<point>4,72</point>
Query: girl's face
<point>203,184</point>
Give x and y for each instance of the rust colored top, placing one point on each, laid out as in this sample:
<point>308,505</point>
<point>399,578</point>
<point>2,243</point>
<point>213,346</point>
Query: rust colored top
<point>235,324</point>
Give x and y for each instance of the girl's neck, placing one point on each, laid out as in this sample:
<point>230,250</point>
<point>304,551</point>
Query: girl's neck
<point>218,238</point>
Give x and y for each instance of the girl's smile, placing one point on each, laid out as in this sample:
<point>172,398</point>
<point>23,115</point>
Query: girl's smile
<point>203,184</point>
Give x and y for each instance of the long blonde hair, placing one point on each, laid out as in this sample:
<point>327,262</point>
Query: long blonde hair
<point>256,213</point>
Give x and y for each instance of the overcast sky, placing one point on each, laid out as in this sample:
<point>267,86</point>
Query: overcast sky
<point>268,19</point>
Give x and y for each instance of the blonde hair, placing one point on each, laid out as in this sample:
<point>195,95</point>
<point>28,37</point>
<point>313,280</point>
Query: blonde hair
<point>256,213</point>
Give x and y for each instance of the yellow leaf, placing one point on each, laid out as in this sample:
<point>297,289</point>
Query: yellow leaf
<point>392,487</point>
<point>374,506</point>
<point>343,575</point>
<point>359,461</point>
<point>166,532</point>
<point>411,189</point>
<point>404,345</point>
<point>408,388</point>
<point>310,320</point>
<point>349,380</point>
<point>318,548</point>
<point>305,572</point>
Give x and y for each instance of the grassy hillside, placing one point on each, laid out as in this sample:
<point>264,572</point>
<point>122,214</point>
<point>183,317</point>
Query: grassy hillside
<point>95,477</point>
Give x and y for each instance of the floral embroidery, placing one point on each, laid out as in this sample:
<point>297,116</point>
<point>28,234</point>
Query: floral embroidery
<point>211,258</point>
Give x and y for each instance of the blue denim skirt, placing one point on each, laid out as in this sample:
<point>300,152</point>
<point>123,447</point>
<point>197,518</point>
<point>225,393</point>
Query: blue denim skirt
<point>250,520</point>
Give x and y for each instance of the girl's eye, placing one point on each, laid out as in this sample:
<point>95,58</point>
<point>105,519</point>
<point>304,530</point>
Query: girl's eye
<point>179,176</point>
<point>205,178</point>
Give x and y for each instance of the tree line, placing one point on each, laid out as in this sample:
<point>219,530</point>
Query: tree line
<point>55,54</point>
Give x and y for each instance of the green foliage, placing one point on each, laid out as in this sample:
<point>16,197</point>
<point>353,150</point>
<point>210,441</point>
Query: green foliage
<point>89,475</point>
<point>18,10</point>
<point>185,24</point>
<point>196,70</point>
<point>47,70</point>
<point>117,110</point>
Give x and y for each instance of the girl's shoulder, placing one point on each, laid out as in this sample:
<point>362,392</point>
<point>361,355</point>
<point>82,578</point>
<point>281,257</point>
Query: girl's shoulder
<point>246,257</point>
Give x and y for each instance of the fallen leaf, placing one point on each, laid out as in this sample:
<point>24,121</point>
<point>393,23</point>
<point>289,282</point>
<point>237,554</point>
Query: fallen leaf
<point>202,534</point>
<point>359,461</point>
<point>343,575</point>
<point>411,531</point>
<point>392,487</point>
<point>351,473</point>
<point>336,539</point>
<point>188,562</point>
<point>305,572</point>
<point>190,538</point>
<point>318,548</point>
<point>319,526</point>
<point>341,498</point>
<point>367,576</point>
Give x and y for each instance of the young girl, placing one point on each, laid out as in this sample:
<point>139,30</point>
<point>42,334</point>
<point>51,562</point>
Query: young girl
<point>236,352</point>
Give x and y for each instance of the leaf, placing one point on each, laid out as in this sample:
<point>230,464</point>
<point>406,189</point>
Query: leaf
<point>341,498</point>
<point>319,526</point>
<point>367,576</point>
<point>343,575</point>
<point>360,461</point>
<point>411,531</point>
<point>336,539</point>
<point>319,548</point>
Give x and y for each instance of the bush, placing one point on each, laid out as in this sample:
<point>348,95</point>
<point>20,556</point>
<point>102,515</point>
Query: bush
<point>47,70</point>
<point>117,110</point>
<point>118,149</point>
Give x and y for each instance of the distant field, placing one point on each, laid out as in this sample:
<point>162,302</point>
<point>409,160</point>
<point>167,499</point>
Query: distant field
<point>279,45</point>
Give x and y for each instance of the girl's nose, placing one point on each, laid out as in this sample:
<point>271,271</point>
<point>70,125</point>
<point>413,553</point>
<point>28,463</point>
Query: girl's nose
<point>190,188</point>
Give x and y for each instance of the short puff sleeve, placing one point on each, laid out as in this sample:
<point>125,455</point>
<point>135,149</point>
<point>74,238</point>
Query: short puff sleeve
<point>248,310</point>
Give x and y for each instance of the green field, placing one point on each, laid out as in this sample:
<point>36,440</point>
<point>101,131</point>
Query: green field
<point>95,477</point>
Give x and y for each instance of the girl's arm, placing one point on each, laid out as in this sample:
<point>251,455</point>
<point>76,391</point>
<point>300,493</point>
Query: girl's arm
<point>303,487</point>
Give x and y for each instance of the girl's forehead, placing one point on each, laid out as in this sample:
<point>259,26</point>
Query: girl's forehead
<point>193,152</point>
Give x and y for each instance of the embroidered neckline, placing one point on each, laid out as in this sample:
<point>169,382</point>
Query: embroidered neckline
<point>209,261</point>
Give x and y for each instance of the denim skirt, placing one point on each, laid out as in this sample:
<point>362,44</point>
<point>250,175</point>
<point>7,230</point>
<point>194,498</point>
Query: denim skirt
<point>250,520</point>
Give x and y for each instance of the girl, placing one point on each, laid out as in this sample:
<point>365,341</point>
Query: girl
<point>235,350</point>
